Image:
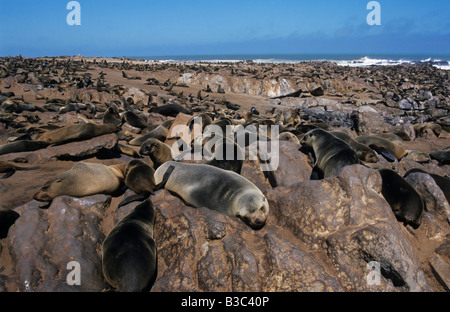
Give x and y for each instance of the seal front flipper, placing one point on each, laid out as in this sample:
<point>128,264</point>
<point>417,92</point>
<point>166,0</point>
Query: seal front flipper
<point>387,154</point>
<point>9,173</point>
<point>133,198</point>
<point>166,177</point>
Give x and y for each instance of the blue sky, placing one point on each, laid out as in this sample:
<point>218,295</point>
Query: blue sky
<point>187,27</point>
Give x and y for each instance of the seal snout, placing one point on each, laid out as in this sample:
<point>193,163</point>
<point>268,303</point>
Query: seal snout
<point>258,224</point>
<point>41,196</point>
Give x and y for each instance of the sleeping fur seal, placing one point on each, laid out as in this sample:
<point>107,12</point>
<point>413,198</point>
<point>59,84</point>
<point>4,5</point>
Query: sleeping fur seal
<point>84,179</point>
<point>217,189</point>
<point>77,133</point>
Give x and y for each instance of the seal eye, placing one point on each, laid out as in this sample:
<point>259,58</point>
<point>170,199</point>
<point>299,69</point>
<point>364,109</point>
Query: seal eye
<point>145,150</point>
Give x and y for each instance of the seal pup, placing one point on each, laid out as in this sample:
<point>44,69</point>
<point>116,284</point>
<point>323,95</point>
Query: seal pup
<point>129,254</point>
<point>139,177</point>
<point>83,179</point>
<point>158,152</point>
<point>418,156</point>
<point>403,198</point>
<point>288,136</point>
<point>421,129</point>
<point>332,154</point>
<point>216,189</point>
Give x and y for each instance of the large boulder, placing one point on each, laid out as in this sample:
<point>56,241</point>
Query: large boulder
<point>42,244</point>
<point>367,119</point>
<point>204,250</point>
<point>348,217</point>
<point>433,196</point>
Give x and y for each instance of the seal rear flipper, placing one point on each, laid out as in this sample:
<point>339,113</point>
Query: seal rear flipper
<point>45,205</point>
<point>166,177</point>
<point>137,197</point>
<point>9,173</point>
<point>387,154</point>
<point>317,174</point>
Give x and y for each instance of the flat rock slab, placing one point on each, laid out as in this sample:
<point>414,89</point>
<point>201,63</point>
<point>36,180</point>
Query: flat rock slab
<point>78,149</point>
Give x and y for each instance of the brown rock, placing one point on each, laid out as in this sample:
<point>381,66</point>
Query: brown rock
<point>432,195</point>
<point>43,242</point>
<point>367,120</point>
<point>441,269</point>
<point>292,167</point>
<point>348,217</point>
<point>204,250</point>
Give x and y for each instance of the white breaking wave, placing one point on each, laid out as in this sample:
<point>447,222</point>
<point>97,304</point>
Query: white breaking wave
<point>367,61</point>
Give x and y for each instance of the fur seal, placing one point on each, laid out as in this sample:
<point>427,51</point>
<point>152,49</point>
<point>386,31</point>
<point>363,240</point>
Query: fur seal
<point>364,152</point>
<point>217,189</point>
<point>204,118</point>
<point>443,156</point>
<point>112,117</point>
<point>129,254</point>
<point>332,154</point>
<point>160,133</point>
<point>22,146</point>
<point>77,133</point>
<point>134,120</point>
<point>404,200</point>
<point>288,136</point>
<point>383,146</point>
<point>421,129</point>
<point>158,152</point>
<point>169,110</point>
<point>418,156</point>
<point>83,179</point>
<point>10,169</point>
<point>221,160</point>
<point>139,177</point>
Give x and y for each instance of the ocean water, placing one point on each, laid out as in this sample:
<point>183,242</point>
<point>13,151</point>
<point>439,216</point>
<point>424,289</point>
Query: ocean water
<point>353,60</point>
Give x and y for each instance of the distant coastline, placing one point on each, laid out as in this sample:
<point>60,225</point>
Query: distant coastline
<point>353,60</point>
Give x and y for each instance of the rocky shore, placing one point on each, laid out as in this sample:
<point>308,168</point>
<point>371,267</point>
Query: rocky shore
<point>321,235</point>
